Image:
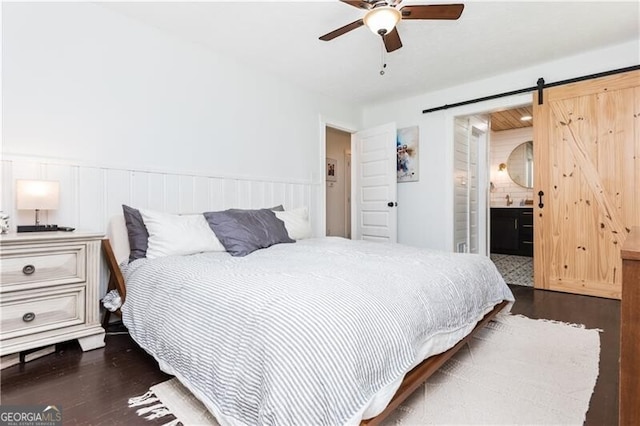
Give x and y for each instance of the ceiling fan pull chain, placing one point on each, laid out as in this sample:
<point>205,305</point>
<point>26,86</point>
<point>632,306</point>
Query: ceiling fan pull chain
<point>383,64</point>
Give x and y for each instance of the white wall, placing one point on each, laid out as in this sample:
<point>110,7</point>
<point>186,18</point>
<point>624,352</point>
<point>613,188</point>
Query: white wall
<point>425,208</point>
<point>86,86</point>
<point>502,143</point>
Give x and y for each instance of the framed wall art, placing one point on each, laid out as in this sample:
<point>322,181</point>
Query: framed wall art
<point>332,170</point>
<point>407,148</point>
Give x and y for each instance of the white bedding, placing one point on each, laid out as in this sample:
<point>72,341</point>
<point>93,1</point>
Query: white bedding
<point>317,332</point>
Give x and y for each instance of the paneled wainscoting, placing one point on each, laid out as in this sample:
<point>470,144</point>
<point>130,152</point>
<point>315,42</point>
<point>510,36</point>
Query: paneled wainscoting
<point>91,194</point>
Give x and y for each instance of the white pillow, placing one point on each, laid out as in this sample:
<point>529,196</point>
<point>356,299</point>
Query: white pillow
<point>172,234</point>
<point>297,223</point>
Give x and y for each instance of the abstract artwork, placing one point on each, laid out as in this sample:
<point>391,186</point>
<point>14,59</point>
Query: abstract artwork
<point>407,148</point>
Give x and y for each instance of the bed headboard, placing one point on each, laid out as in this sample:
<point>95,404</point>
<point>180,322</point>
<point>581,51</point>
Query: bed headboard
<point>118,237</point>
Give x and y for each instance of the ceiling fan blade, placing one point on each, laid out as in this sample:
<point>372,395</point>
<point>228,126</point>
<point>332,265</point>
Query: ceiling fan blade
<point>360,4</point>
<point>432,11</point>
<point>392,40</point>
<point>342,30</point>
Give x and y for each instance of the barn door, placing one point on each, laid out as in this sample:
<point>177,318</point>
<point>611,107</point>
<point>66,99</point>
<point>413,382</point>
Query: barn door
<point>587,183</point>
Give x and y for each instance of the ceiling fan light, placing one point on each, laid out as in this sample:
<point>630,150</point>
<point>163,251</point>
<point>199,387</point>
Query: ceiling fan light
<point>382,20</point>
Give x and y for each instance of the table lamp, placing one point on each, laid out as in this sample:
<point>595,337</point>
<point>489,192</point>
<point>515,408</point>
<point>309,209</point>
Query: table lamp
<point>37,195</point>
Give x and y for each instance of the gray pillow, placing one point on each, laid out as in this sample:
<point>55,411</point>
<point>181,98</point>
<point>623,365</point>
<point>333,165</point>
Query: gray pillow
<point>244,231</point>
<point>277,208</point>
<point>137,232</point>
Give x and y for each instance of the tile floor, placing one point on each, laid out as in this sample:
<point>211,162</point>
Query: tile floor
<point>516,270</point>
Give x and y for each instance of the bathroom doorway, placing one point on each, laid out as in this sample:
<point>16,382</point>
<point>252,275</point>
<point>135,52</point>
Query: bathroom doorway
<point>493,189</point>
<point>511,193</point>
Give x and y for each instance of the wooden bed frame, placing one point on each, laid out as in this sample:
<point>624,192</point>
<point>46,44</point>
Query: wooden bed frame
<point>411,382</point>
<point>416,377</point>
<point>116,280</point>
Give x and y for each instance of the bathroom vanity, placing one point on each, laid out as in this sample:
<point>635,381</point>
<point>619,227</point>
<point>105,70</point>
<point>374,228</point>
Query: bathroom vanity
<point>512,230</point>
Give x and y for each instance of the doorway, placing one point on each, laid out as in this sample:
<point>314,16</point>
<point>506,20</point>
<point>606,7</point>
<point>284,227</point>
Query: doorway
<point>338,183</point>
<point>493,189</point>
<point>511,194</point>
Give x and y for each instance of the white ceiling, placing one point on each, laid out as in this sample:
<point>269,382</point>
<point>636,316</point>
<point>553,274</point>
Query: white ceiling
<point>489,38</point>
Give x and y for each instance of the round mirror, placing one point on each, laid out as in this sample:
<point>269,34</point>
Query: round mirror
<point>520,164</point>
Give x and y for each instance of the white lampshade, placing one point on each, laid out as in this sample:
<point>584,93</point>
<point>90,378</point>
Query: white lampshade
<point>37,194</point>
<point>382,19</point>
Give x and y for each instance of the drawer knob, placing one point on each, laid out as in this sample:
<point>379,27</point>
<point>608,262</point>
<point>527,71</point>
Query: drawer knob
<point>28,317</point>
<point>28,269</point>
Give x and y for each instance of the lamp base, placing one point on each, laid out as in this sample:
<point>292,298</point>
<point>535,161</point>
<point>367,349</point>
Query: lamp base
<point>36,228</point>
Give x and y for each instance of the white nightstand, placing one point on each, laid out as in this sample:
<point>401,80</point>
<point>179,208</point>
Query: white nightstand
<point>49,290</point>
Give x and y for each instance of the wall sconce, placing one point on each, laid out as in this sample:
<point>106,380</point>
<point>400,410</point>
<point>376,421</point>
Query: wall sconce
<point>502,167</point>
<point>37,195</point>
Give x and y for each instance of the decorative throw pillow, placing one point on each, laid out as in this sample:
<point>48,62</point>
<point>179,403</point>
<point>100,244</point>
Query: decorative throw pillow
<point>277,208</point>
<point>137,233</point>
<point>297,223</point>
<point>244,231</point>
<point>171,234</point>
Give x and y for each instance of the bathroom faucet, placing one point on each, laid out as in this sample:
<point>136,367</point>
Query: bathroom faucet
<point>509,200</point>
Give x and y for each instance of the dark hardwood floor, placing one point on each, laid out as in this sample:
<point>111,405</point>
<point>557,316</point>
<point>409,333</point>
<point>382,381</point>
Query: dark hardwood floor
<point>93,387</point>
<point>593,312</point>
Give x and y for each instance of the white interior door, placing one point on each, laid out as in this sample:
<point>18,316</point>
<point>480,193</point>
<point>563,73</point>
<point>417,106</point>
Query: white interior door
<point>374,214</point>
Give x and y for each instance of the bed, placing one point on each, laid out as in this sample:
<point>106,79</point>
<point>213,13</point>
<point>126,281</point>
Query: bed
<point>320,331</point>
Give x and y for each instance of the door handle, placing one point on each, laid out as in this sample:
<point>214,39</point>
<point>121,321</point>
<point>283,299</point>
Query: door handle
<point>540,203</point>
<point>392,204</point>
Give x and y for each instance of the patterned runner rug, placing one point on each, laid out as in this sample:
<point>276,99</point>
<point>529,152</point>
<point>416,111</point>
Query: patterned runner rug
<point>514,371</point>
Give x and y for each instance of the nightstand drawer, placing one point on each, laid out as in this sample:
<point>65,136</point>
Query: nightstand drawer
<point>50,265</point>
<point>33,311</point>
<point>49,290</point>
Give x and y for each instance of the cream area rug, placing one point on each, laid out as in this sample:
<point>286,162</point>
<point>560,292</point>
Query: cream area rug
<point>514,371</point>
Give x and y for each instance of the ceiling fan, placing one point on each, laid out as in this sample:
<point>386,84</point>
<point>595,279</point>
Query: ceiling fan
<point>382,17</point>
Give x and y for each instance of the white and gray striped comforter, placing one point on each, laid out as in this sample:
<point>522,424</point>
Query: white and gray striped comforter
<point>302,333</point>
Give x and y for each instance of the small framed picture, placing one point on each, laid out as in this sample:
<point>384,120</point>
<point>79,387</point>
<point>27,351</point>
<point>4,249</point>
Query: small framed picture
<point>332,170</point>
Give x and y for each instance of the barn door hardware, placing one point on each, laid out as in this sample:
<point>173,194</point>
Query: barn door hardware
<point>540,90</point>
<point>540,203</point>
<point>539,87</point>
